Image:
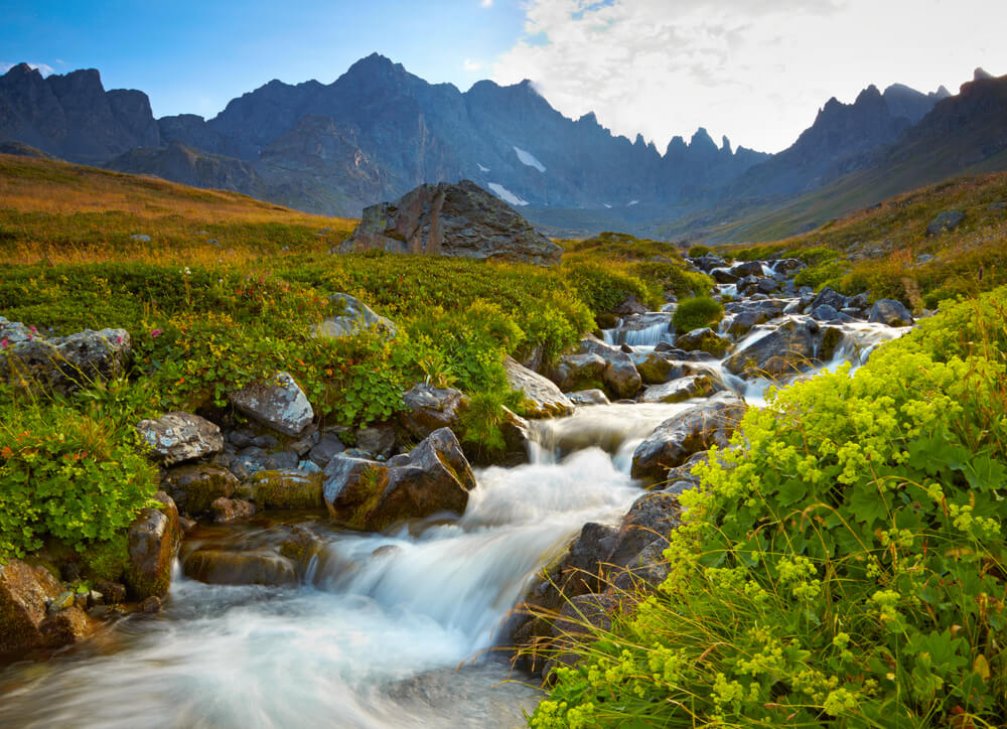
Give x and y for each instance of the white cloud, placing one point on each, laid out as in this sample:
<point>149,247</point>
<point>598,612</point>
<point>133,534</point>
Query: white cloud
<point>756,70</point>
<point>44,68</point>
<point>472,66</point>
<point>486,3</point>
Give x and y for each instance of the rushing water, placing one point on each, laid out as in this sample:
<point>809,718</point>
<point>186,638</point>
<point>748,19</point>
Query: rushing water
<point>385,630</point>
<point>394,631</point>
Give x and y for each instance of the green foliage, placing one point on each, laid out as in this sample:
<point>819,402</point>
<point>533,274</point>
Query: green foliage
<point>697,250</point>
<point>672,279</point>
<point>603,288</point>
<point>697,313</point>
<point>844,565</point>
<point>66,474</point>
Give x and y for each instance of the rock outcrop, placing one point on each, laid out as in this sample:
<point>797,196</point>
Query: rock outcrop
<point>452,220</point>
<point>153,541</point>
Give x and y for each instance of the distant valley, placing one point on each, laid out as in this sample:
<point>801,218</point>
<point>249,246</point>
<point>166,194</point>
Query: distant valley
<point>378,131</point>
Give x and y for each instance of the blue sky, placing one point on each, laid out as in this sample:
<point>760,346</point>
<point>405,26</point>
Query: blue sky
<point>192,56</point>
<point>754,70</point>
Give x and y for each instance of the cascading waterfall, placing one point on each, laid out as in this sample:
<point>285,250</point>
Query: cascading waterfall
<point>385,630</point>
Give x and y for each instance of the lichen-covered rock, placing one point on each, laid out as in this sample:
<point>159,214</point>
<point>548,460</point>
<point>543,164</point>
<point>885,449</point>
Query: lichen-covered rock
<point>693,430</point>
<point>196,486</point>
<point>177,437</point>
<point>153,541</point>
<point>24,591</point>
<point>433,477</point>
<point>66,627</point>
<point>62,364</point>
<point>543,399</point>
<point>448,219</point>
<point>356,317</point>
<point>890,312</point>
<point>283,489</point>
<point>430,408</point>
<point>278,403</point>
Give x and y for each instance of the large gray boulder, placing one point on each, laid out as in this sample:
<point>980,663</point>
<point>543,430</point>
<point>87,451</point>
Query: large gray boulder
<point>620,376</point>
<point>794,347</point>
<point>278,403</point>
<point>369,495</point>
<point>891,312</point>
<point>578,372</point>
<point>62,364</point>
<point>445,219</point>
<point>691,431</point>
<point>355,317</point>
<point>543,399</point>
<point>684,388</point>
<point>177,437</point>
<point>430,408</point>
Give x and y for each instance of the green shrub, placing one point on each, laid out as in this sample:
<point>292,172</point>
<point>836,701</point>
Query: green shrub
<point>68,475</point>
<point>844,565</point>
<point>698,250</point>
<point>697,313</point>
<point>603,288</point>
<point>672,278</point>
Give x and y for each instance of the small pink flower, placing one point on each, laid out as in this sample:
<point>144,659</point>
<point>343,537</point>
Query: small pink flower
<point>4,343</point>
<point>155,333</point>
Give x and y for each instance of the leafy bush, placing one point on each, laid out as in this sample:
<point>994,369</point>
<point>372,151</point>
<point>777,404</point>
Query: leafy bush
<point>844,565</point>
<point>697,313</point>
<point>698,250</point>
<point>603,288</point>
<point>68,475</point>
<point>671,278</point>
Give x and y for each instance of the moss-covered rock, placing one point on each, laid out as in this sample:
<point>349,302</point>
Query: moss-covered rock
<point>153,539</point>
<point>283,489</point>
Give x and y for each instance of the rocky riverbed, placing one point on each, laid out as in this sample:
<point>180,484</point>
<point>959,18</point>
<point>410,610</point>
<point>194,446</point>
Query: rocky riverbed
<point>290,579</point>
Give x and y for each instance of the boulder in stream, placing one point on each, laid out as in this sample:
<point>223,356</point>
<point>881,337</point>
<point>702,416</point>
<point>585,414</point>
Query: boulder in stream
<point>703,340</point>
<point>697,429</point>
<point>434,477</point>
<point>684,388</point>
<point>283,489</point>
<point>579,372</point>
<point>24,590</point>
<point>891,313</point>
<point>543,399</point>
<point>620,376</point>
<point>793,347</point>
<point>153,540</point>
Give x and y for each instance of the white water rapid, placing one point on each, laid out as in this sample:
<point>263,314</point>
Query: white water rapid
<point>393,630</point>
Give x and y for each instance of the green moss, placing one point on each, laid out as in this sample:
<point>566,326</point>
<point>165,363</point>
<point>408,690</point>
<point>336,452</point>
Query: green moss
<point>696,313</point>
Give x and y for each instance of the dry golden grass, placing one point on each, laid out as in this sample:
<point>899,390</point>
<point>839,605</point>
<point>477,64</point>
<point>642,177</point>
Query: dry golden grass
<point>56,212</point>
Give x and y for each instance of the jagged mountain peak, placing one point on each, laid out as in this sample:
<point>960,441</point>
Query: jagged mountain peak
<point>981,74</point>
<point>21,70</point>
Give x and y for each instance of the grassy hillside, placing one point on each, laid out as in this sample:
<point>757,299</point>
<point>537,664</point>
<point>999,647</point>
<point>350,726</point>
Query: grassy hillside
<point>62,213</point>
<point>887,248</point>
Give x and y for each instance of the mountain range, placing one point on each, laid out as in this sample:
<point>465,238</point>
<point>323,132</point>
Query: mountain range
<point>378,131</point>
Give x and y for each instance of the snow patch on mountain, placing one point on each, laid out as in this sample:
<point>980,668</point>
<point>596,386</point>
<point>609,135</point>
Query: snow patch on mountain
<point>481,168</point>
<point>527,158</point>
<point>506,195</point>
